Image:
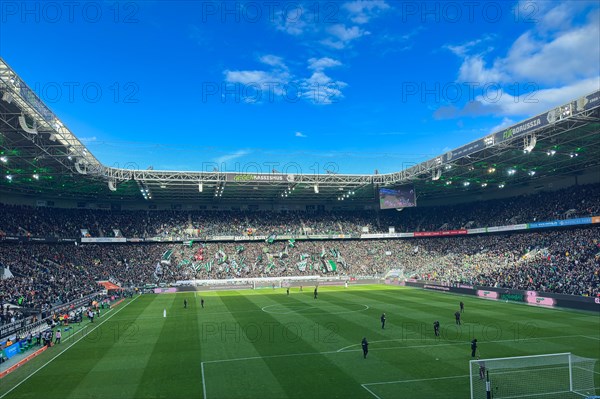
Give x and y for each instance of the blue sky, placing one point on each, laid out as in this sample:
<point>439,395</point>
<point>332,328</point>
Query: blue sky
<point>301,87</point>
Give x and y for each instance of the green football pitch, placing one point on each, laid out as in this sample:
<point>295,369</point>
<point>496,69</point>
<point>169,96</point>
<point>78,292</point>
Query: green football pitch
<point>266,344</point>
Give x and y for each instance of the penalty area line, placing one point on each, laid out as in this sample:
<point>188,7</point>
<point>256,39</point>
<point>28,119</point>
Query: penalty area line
<point>452,343</point>
<point>371,392</point>
<point>69,347</point>
<point>418,380</point>
<point>366,386</point>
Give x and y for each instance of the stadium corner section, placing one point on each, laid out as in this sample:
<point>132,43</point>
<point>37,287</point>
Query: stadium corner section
<point>28,357</point>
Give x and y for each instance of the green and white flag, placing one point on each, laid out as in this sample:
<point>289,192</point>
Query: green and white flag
<point>208,266</point>
<point>331,266</point>
<point>271,238</point>
<point>302,265</point>
<point>221,256</point>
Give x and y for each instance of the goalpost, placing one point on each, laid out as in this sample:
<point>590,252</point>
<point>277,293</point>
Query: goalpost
<point>557,375</point>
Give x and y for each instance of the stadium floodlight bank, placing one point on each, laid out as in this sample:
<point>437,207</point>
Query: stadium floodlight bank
<point>558,375</point>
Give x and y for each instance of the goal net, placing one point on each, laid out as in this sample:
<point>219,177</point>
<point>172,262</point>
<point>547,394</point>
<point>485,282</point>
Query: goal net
<point>559,375</point>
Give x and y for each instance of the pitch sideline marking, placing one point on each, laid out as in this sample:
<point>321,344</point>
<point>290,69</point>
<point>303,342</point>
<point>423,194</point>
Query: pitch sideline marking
<point>69,347</point>
<point>80,330</point>
<point>203,381</point>
<point>586,336</point>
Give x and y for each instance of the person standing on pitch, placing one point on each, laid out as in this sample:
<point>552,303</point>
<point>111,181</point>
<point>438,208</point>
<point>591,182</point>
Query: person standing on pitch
<point>202,302</point>
<point>462,306</point>
<point>481,368</point>
<point>185,303</point>
<point>383,321</point>
<point>457,317</point>
<point>315,293</point>
<point>473,347</point>
<point>436,328</point>
<point>288,290</point>
<point>365,347</point>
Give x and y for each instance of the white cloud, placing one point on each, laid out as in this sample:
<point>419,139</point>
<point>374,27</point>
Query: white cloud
<point>321,89</point>
<point>318,64</point>
<point>540,100</point>
<point>362,11</point>
<point>506,122</point>
<point>246,77</point>
<point>550,16</point>
<point>473,69</point>
<point>342,36</point>
<point>461,50</point>
<point>231,157</point>
<point>301,135</point>
<point>561,57</point>
<point>292,22</point>
<point>571,55</point>
<point>553,62</point>
<point>318,88</point>
<point>88,139</point>
<point>273,60</point>
<point>502,103</point>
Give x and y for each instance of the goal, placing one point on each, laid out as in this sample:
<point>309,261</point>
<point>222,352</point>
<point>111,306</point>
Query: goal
<point>558,375</point>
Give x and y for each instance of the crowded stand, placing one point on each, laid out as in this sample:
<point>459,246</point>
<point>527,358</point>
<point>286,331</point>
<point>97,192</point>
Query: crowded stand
<point>40,276</point>
<point>563,261</point>
<point>68,223</point>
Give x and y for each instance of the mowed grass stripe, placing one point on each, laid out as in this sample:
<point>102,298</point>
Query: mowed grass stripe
<point>285,366</point>
<point>325,377</point>
<point>418,355</point>
<point>173,367</point>
<point>239,339</point>
<point>331,329</point>
<point>120,357</point>
<point>220,334</point>
<point>73,365</point>
<point>350,331</point>
<point>481,317</point>
<point>223,337</point>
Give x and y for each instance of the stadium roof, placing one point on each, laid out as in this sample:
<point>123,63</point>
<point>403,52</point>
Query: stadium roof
<point>41,157</point>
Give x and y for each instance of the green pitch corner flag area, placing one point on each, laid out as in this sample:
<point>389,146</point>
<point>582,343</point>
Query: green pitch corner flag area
<point>266,344</point>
